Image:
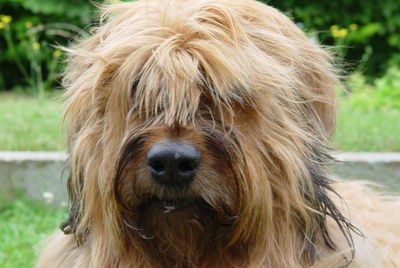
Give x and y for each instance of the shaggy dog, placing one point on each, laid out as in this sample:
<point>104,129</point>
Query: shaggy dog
<point>197,135</point>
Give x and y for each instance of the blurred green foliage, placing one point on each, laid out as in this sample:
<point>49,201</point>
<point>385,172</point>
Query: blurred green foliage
<point>372,28</point>
<point>383,93</point>
<point>30,30</point>
<point>366,33</point>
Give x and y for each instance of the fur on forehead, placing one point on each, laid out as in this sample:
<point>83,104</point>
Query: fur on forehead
<point>164,58</point>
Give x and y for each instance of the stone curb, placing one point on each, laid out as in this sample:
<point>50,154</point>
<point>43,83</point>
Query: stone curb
<point>40,174</point>
<point>368,157</point>
<point>31,156</point>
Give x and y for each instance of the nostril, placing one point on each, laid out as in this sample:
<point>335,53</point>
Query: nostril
<point>186,166</point>
<point>157,166</point>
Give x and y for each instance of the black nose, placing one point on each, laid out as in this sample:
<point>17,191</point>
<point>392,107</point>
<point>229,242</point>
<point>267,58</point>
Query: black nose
<point>173,163</point>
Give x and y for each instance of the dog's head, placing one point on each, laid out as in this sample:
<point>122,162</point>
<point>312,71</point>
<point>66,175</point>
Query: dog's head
<point>200,124</point>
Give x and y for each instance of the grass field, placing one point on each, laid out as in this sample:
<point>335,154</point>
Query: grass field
<point>28,123</point>
<point>367,131</point>
<point>24,223</point>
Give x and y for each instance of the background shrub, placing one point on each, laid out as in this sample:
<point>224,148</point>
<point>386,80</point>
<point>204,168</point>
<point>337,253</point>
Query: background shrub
<point>383,93</point>
<point>370,29</point>
<point>367,34</point>
<point>29,32</point>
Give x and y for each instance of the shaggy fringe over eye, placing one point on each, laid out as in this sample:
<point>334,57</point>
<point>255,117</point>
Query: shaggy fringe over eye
<point>269,94</point>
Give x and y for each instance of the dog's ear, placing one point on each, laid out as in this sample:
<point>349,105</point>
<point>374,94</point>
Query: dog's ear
<point>70,225</point>
<point>319,198</point>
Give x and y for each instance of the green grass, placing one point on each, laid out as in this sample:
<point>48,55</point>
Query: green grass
<point>367,130</point>
<point>28,123</point>
<point>23,224</point>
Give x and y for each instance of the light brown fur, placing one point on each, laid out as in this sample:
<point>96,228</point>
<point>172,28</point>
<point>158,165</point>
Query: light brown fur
<point>240,82</point>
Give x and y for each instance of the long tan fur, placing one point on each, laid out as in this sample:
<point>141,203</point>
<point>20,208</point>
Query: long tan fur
<point>240,82</point>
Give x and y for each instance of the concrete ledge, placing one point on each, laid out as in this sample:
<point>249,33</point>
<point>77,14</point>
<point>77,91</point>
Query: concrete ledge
<point>383,168</point>
<point>368,157</point>
<point>40,174</point>
<point>31,156</point>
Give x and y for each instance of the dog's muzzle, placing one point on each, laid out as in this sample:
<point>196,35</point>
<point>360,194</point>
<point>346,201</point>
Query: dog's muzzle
<point>173,163</point>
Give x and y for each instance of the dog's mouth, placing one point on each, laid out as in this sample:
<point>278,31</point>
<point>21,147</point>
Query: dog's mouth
<point>191,207</point>
<point>172,205</point>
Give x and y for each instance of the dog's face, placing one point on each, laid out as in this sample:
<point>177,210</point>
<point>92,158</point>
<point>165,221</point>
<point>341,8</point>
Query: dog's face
<point>199,122</point>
